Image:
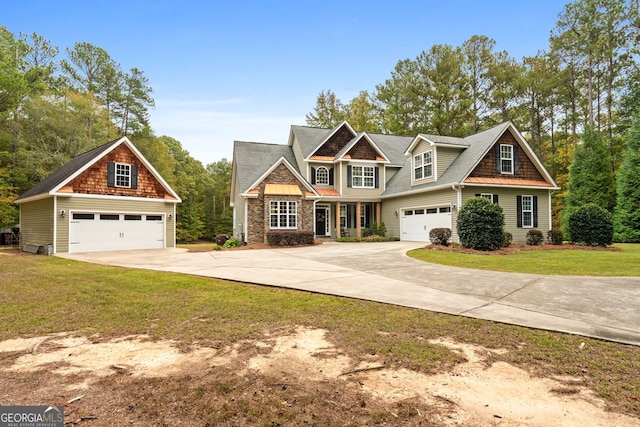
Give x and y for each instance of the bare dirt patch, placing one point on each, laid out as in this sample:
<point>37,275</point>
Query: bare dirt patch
<point>288,377</point>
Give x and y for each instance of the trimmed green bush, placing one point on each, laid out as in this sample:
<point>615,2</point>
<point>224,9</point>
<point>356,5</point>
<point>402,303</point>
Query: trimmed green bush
<point>591,225</point>
<point>508,239</point>
<point>440,236</point>
<point>534,237</point>
<point>555,236</point>
<point>481,224</point>
<point>231,243</point>
<point>290,238</point>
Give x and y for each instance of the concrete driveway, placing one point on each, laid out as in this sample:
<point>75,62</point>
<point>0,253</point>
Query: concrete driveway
<point>600,307</point>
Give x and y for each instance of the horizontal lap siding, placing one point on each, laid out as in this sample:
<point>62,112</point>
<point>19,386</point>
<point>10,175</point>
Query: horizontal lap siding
<point>507,199</point>
<point>36,226</point>
<point>77,204</point>
<point>445,156</point>
<point>431,199</point>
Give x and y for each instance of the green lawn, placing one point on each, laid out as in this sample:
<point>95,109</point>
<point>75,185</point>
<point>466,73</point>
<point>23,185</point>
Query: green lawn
<point>42,295</point>
<point>553,262</point>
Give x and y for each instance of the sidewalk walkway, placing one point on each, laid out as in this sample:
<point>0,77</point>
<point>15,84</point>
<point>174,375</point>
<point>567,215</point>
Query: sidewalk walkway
<point>599,307</point>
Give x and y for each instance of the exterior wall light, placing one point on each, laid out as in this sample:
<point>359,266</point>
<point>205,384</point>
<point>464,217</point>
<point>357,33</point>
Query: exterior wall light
<point>63,213</point>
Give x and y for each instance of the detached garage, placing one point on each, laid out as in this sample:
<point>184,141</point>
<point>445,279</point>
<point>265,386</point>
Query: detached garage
<point>416,223</point>
<point>108,199</point>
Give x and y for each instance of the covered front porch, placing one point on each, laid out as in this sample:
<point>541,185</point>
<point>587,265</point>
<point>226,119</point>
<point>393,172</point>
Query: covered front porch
<point>346,219</point>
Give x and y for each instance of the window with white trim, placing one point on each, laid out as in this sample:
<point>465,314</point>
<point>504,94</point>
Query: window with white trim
<point>363,177</point>
<point>527,211</point>
<point>423,165</point>
<point>283,214</point>
<point>506,158</point>
<point>343,216</point>
<point>123,175</point>
<point>322,176</point>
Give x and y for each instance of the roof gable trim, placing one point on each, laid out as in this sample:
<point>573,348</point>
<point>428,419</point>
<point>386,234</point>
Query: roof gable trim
<point>60,188</point>
<point>249,192</point>
<point>337,128</point>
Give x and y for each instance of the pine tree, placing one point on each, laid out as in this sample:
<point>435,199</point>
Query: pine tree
<point>590,178</point>
<point>626,218</point>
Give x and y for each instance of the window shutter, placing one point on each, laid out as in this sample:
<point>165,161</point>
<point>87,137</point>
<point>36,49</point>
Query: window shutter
<point>349,176</point>
<point>519,210</point>
<point>535,211</point>
<point>516,169</point>
<point>350,213</point>
<point>313,175</point>
<point>331,176</point>
<point>495,199</point>
<point>134,176</point>
<point>498,165</point>
<point>377,177</point>
<point>111,174</point>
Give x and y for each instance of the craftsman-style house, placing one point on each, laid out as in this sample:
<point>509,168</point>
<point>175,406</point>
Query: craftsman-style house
<point>339,181</point>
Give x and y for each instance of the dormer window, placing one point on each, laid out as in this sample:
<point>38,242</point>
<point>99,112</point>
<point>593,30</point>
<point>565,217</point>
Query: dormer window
<point>423,165</point>
<point>506,159</point>
<point>322,176</point>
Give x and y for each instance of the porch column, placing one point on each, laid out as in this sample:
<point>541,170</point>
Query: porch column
<point>378,214</point>
<point>358,225</point>
<point>338,220</point>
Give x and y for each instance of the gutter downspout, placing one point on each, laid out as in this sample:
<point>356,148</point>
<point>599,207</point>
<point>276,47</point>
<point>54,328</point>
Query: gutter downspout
<point>458,189</point>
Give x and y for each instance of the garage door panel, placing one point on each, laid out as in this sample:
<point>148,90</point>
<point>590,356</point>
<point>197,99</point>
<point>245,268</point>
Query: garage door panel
<point>93,232</point>
<point>417,223</point>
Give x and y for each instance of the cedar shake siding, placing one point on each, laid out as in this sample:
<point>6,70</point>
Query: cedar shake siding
<point>94,179</point>
<point>362,150</point>
<point>336,143</point>
<point>487,168</point>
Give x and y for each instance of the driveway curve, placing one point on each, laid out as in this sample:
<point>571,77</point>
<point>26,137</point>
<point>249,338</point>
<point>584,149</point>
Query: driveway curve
<point>598,307</point>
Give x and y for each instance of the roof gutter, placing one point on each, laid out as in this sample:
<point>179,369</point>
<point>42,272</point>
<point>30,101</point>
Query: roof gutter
<point>421,190</point>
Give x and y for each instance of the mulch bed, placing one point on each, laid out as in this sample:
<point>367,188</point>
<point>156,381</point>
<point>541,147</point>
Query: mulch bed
<point>518,247</point>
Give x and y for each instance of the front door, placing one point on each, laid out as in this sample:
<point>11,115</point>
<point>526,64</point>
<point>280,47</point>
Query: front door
<point>322,224</point>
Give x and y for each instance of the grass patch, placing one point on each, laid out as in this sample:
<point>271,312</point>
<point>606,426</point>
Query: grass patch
<point>552,262</point>
<point>42,295</point>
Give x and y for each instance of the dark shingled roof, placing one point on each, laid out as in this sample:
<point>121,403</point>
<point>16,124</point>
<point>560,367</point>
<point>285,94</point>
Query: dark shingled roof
<point>59,176</point>
<point>477,146</point>
<point>252,159</point>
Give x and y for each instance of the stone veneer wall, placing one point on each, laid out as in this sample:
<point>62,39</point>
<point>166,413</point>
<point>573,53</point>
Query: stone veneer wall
<point>258,208</point>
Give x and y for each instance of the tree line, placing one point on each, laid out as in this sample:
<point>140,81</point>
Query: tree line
<point>53,109</point>
<point>584,86</point>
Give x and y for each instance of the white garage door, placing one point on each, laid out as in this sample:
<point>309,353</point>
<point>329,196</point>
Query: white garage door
<point>94,232</point>
<point>416,223</point>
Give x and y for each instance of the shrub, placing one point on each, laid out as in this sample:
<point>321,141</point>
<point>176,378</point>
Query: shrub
<point>534,237</point>
<point>555,236</point>
<point>290,238</point>
<point>440,236</point>
<point>231,243</point>
<point>480,224</point>
<point>379,229</point>
<point>216,247</point>
<point>508,239</point>
<point>591,225</point>
<point>221,239</point>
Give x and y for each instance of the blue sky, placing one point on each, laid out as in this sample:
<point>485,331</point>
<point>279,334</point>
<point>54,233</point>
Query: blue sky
<point>247,70</point>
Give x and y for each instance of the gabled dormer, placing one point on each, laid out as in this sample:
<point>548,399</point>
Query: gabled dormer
<point>431,155</point>
<point>333,144</point>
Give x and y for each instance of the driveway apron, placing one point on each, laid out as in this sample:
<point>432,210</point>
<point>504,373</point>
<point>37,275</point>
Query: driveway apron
<point>599,307</point>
